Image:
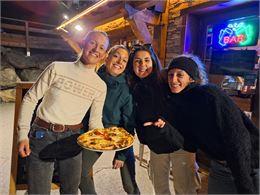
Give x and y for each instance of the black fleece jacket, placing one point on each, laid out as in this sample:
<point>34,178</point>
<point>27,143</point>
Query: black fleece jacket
<point>148,105</point>
<point>209,120</point>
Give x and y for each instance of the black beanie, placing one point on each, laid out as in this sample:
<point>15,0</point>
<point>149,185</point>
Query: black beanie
<point>186,64</point>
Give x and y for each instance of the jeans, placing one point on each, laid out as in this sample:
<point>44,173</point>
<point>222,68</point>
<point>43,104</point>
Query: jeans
<point>221,180</point>
<point>40,172</point>
<point>127,172</point>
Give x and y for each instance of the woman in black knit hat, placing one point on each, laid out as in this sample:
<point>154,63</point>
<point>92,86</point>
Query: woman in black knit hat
<point>210,121</point>
<point>144,70</point>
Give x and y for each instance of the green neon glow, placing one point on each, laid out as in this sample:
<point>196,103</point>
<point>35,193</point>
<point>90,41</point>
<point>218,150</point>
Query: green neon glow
<point>238,32</point>
<point>248,31</point>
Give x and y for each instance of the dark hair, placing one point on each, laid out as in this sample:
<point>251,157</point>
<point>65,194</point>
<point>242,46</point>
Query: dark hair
<point>132,78</point>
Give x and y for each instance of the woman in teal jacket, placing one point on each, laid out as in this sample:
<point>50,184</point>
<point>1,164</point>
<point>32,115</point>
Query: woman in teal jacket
<point>117,111</point>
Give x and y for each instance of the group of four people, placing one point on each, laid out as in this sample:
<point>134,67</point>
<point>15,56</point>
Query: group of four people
<point>174,118</point>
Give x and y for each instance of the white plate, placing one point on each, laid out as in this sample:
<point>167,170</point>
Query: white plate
<point>115,150</point>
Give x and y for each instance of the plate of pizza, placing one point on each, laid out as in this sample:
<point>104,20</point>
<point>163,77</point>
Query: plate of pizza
<point>106,139</point>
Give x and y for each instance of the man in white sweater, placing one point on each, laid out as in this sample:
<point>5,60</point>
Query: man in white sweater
<point>67,90</point>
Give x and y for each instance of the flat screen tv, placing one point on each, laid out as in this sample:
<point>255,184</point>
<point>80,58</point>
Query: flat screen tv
<point>233,62</point>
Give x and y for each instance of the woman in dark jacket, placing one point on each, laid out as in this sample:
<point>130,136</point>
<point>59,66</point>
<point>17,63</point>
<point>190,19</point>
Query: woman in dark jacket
<point>209,120</point>
<point>147,92</point>
<point>146,83</point>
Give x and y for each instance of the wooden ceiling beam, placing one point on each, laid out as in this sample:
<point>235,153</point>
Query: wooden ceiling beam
<point>145,4</point>
<point>109,12</point>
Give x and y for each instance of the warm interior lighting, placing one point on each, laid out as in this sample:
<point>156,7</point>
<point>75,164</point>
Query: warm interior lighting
<point>78,27</point>
<point>65,16</point>
<point>113,25</point>
<point>82,14</point>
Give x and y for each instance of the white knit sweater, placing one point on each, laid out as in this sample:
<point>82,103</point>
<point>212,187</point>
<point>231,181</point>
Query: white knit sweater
<point>68,90</point>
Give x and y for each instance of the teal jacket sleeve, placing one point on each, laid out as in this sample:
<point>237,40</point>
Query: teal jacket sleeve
<point>128,115</point>
<point>128,118</point>
<point>121,155</point>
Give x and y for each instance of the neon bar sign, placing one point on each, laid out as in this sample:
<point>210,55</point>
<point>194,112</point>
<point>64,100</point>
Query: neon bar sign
<point>237,33</point>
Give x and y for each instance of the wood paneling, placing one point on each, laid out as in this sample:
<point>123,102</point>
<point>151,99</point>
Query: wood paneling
<point>26,34</point>
<point>243,103</point>
<point>22,28</point>
<point>15,40</point>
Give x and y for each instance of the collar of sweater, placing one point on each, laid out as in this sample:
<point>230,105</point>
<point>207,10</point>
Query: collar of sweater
<point>83,67</point>
<point>150,79</point>
<point>148,82</point>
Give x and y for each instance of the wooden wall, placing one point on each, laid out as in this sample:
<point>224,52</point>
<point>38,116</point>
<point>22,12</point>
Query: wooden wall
<point>30,35</point>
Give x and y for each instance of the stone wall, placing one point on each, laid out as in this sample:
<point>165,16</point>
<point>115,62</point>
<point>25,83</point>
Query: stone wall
<point>16,66</point>
<point>176,27</point>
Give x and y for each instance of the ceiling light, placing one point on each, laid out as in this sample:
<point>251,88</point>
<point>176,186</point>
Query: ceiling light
<point>65,16</point>
<point>78,27</point>
<point>101,2</point>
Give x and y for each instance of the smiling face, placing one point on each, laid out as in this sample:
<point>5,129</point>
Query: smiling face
<point>142,64</point>
<point>95,48</point>
<point>117,61</point>
<point>178,80</point>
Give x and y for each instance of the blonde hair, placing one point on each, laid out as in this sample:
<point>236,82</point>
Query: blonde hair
<point>110,53</point>
<point>113,49</point>
<point>93,32</point>
<point>79,55</point>
<point>86,38</point>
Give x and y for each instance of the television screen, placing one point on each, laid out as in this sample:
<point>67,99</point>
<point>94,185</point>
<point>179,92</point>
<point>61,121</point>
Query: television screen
<point>233,62</point>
